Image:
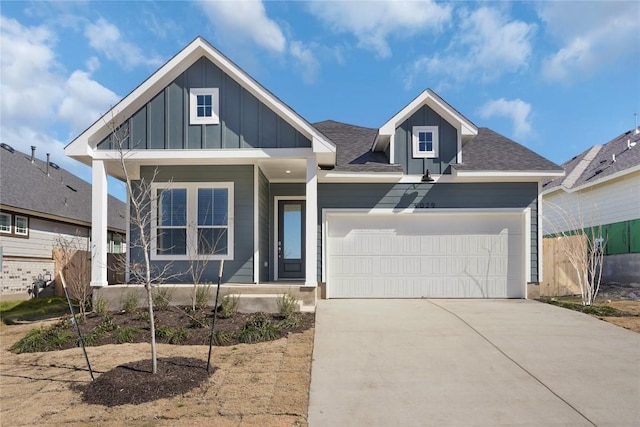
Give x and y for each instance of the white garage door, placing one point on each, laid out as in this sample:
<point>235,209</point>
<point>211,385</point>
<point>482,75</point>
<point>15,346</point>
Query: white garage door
<point>432,255</point>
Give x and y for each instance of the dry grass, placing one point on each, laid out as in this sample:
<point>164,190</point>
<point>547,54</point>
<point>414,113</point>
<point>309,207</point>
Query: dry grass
<point>265,384</point>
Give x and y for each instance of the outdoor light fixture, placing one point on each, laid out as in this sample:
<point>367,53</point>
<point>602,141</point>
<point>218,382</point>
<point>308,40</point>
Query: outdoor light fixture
<point>427,177</point>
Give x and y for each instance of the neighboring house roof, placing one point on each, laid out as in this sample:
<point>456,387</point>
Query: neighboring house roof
<point>81,148</point>
<point>353,148</point>
<point>490,151</point>
<point>597,163</point>
<point>61,195</point>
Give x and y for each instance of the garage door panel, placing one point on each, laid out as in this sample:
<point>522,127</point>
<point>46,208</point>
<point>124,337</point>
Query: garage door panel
<point>424,256</point>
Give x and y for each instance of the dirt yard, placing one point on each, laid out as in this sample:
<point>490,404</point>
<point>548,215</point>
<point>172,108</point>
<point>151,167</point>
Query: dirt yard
<point>263,384</point>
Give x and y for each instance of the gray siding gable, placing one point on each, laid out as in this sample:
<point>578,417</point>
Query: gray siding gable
<point>245,122</point>
<point>447,144</point>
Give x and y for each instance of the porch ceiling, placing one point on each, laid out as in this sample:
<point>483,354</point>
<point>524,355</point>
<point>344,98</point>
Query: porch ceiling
<point>284,169</point>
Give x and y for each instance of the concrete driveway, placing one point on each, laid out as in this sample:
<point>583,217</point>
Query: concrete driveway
<point>470,363</point>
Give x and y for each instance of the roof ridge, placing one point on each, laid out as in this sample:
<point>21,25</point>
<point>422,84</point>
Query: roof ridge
<point>582,166</point>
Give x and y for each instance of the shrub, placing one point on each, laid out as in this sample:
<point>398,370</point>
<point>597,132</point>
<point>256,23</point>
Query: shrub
<point>127,334</point>
<point>43,339</point>
<point>101,306</point>
<point>221,338</point>
<point>229,306</point>
<point>130,303</point>
<point>257,329</point>
<point>286,305</point>
<point>198,321</point>
<point>290,322</point>
<point>172,335</point>
<point>162,298</point>
<point>203,293</point>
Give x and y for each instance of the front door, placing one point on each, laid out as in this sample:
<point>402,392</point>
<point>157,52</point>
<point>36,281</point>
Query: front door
<point>291,222</point>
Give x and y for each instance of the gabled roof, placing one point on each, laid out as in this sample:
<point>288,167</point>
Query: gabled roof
<point>490,151</point>
<point>353,145</point>
<point>61,195</point>
<point>597,163</point>
<point>439,105</point>
<point>82,146</point>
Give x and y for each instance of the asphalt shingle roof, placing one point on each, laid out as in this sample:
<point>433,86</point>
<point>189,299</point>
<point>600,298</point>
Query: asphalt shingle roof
<point>491,151</point>
<point>353,148</point>
<point>25,185</point>
<point>602,165</point>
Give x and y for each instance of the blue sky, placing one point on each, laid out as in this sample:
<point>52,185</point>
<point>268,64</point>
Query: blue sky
<point>558,77</point>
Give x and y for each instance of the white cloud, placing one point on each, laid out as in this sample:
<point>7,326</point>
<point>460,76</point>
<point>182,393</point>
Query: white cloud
<point>246,19</point>
<point>306,59</point>
<point>374,23</point>
<point>487,45</point>
<point>593,35</point>
<point>85,101</point>
<point>106,38</point>
<point>515,110</point>
<point>40,102</point>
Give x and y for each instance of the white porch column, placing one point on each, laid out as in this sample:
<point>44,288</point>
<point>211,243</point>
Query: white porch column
<point>311,238</point>
<point>98,224</point>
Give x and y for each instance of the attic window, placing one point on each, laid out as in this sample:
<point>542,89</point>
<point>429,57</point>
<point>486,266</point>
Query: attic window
<point>425,141</point>
<point>204,106</point>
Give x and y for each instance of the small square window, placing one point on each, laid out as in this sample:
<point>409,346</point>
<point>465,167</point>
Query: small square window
<point>5,223</point>
<point>22,225</point>
<point>425,141</point>
<point>203,106</point>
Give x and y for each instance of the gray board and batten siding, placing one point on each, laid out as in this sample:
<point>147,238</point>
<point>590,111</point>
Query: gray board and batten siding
<point>245,122</point>
<point>426,196</point>
<point>238,270</point>
<point>447,144</point>
<point>264,225</point>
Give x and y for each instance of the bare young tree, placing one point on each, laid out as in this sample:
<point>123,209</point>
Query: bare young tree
<point>74,260</point>
<point>140,197</point>
<point>583,245</point>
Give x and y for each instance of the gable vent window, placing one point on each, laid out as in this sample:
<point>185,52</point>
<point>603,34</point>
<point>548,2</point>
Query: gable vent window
<point>425,141</point>
<point>204,106</point>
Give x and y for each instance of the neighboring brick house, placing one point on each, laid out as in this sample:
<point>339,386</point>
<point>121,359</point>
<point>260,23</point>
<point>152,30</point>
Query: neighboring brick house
<point>39,203</point>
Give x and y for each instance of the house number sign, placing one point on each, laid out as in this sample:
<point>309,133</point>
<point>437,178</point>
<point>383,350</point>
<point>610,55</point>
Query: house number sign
<point>423,205</point>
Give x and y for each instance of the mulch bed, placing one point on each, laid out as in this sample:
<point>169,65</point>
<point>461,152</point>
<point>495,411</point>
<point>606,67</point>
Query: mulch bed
<point>134,383</point>
<point>195,326</point>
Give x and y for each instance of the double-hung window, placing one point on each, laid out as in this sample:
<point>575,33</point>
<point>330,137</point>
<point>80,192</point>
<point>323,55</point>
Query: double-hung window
<point>193,220</point>
<point>425,141</point>
<point>5,223</point>
<point>22,226</point>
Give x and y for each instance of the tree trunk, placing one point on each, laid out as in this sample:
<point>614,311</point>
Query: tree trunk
<point>152,326</point>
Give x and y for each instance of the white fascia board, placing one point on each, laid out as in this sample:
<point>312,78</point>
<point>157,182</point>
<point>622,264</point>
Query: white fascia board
<point>600,181</point>
<point>466,128</point>
<point>506,174</point>
<point>205,156</point>
<point>380,177</point>
<point>165,75</point>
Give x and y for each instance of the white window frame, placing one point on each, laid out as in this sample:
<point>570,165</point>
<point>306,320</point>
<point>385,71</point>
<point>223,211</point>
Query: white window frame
<point>3,231</point>
<point>214,119</point>
<point>416,142</point>
<point>26,228</point>
<point>192,220</point>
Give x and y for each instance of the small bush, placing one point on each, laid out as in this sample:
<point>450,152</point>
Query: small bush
<point>198,321</point>
<point>101,306</point>
<point>172,335</point>
<point>107,325</point>
<point>258,328</point>
<point>229,306</point>
<point>203,292</point>
<point>221,338</point>
<point>162,298</point>
<point>130,303</point>
<point>43,339</point>
<point>127,334</point>
<point>286,305</point>
<point>290,323</point>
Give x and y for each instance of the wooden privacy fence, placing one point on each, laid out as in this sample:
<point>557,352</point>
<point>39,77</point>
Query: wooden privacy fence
<point>559,276</point>
<point>78,267</point>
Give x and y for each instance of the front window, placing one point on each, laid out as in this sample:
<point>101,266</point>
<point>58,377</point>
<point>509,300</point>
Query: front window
<point>425,141</point>
<point>204,106</point>
<point>22,225</point>
<point>192,221</point>
<point>5,223</point>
